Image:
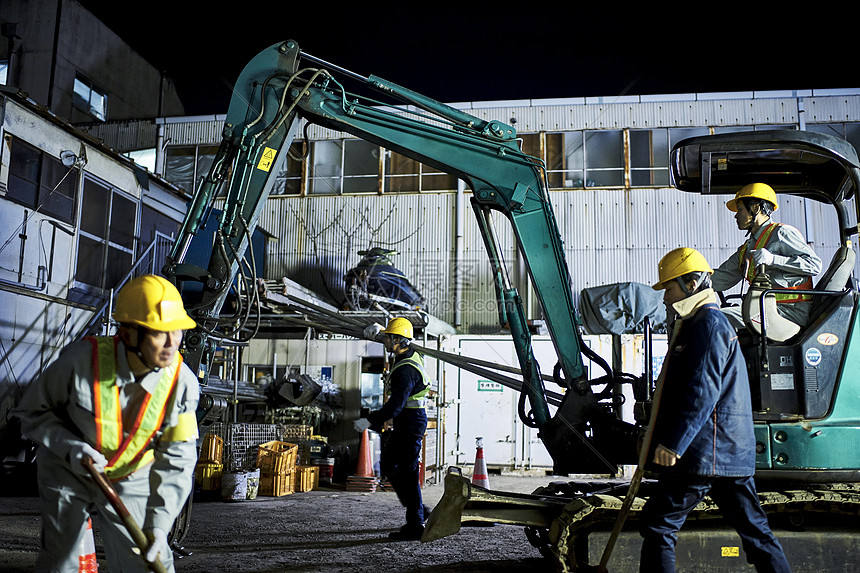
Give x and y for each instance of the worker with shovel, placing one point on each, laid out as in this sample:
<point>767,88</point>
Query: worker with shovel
<point>126,405</point>
<point>702,441</point>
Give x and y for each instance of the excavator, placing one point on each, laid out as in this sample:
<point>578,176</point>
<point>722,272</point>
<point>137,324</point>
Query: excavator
<point>806,386</point>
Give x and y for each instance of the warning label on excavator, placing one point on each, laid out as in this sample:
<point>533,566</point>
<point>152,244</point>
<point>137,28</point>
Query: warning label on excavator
<point>730,552</point>
<point>266,159</point>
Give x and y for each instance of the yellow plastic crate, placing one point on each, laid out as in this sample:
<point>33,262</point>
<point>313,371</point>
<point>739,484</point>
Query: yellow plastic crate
<point>212,449</point>
<point>277,457</point>
<point>307,478</point>
<point>277,484</point>
<point>208,475</point>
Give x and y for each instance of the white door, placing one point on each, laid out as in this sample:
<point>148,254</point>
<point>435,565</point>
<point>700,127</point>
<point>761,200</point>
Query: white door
<point>487,409</point>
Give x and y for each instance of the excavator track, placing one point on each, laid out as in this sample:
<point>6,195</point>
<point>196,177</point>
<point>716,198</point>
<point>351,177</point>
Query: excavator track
<point>566,541</point>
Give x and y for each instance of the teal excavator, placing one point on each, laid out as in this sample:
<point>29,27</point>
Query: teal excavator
<point>805,384</point>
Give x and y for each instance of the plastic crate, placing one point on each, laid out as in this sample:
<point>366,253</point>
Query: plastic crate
<point>212,449</point>
<point>277,484</point>
<point>307,478</point>
<point>296,433</point>
<point>208,475</point>
<point>277,457</point>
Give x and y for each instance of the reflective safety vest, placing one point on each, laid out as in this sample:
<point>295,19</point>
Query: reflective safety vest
<point>126,454</point>
<point>417,400</point>
<point>781,297</point>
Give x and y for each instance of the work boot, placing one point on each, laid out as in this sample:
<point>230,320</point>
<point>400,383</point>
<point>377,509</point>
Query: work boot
<point>407,533</point>
<point>426,511</point>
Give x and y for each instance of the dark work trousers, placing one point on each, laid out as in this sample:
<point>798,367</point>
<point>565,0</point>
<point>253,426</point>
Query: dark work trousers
<point>399,464</point>
<point>677,495</point>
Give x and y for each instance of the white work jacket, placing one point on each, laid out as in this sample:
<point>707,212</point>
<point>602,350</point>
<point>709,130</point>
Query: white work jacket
<point>57,411</point>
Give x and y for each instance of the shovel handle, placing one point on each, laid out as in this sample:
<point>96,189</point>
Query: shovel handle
<point>134,529</point>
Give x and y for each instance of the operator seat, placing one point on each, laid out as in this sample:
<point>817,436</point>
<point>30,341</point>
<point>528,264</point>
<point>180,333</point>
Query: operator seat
<point>837,275</point>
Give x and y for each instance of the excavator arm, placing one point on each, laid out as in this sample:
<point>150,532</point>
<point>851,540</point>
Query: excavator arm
<point>275,93</point>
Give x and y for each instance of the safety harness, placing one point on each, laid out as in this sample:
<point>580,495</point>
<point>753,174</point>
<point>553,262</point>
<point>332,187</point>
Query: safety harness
<point>417,400</point>
<point>760,243</point>
<point>126,455</point>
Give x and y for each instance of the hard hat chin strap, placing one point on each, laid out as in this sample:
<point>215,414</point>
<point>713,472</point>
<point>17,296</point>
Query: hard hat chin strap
<point>141,331</point>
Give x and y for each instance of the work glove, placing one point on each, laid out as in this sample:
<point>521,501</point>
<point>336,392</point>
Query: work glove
<point>373,331</point>
<point>664,456</point>
<point>762,257</point>
<point>361,425</point>
<point>158,544</point>
<point>81,451</point>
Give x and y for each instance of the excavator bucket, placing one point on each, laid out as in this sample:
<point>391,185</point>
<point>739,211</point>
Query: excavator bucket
<point>465,503</point>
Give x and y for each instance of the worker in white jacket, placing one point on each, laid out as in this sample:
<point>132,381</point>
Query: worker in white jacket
<point>129,403</point>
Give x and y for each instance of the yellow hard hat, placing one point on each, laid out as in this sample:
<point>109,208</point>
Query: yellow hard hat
<point>153,302</point>
<point>755,191</point>
<point>678,262</point>
<point>399,326</point>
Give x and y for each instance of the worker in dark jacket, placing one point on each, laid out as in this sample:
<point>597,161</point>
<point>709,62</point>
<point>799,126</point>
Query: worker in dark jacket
<point>702,441</point>
<point>407,387</point>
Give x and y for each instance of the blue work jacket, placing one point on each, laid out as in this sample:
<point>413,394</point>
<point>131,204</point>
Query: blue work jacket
<point>705,413</point>
<point>406,380</point>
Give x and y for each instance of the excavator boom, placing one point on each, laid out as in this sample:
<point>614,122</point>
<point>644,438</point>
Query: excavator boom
<point>275,93</point>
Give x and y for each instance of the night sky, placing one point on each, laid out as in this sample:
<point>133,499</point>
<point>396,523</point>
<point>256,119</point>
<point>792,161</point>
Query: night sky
<point>463,55</point>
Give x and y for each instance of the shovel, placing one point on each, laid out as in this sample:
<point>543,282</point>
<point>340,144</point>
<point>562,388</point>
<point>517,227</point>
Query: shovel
<point>134,529</point>
<point>636,480</point>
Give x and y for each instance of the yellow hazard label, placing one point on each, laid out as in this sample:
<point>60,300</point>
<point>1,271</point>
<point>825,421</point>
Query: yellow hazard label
<point>730,552</point>
<point>266,159</point>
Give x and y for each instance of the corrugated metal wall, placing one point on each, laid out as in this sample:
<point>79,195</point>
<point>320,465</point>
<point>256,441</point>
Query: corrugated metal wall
<point>609,236</point>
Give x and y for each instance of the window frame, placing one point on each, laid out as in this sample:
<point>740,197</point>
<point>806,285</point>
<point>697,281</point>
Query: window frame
<point>83,99</point>
<point>109,243</point>
<point>43,186</point>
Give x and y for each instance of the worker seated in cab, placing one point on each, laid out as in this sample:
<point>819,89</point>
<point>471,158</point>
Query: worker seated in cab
<point>776,250</point>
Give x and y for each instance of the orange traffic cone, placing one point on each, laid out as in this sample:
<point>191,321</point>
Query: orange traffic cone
<point>364,478</point>
<point>479,474</point>
<point>365,462</point>
<point>87,562</point>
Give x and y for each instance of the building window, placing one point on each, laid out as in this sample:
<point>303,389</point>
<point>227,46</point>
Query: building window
<point>649,157</point>
<point>326,167</point>
<point>289,180</point>
<point>406,175</point>
<point>604,158</point>
<point>41,182</point>
<point>186,166</point>
<point>90,99</point>
<point>565,160</point>
<point>107,236</point>
<point>344,166</point>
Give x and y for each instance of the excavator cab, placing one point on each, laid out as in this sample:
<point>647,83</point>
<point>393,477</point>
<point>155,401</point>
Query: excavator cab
<point>801,377</point>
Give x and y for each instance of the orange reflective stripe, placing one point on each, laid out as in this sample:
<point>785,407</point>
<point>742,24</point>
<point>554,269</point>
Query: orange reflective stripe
<point>126,455</point>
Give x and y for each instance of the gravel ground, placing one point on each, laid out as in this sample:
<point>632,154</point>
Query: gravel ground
<point>322,530</point>
<point>332,530</point>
